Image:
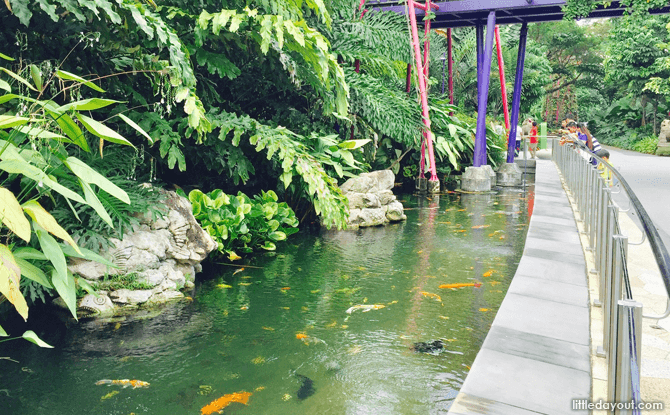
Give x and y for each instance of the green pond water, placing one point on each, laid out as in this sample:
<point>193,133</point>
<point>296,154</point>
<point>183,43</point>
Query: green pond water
<point>246,338</point>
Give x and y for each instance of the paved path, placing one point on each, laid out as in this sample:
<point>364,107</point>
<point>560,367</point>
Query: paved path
<point>649,176</point>
<point>536,357</point>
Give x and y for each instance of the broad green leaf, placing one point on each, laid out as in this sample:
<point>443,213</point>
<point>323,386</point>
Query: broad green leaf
<point>87,174</point>
<point>32,337</point>
<point>269,246</point>
<point>86,286</point>
<point>16,166</point>
<point>29,253</point>
<point>338,169</point>
<point>46,221</point>
<point>67,290</point>
<point>38,132</point>
<point>5,57</point>
<point>72,77</point>
<point>94,202</point>
<point>9,121</point>
<point>12,215</point>
<point>277,236</point>
<point>348,157</point>
<point>136,127</point>
<point>10,277</point>
<point>72,130</point>
<point>4,85</point>
<point>18,78</point>
<point>3,333</point>
<point>88,104</point>
<point>87,254</point>
<point>102,131</point>
<point>36,74</point>
<point>31,272</point>
<point>8,97</point>
<point>54,254</point>
<point>353,144</point>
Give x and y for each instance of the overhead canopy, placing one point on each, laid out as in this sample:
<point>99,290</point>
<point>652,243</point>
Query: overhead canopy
<point>468,12</point>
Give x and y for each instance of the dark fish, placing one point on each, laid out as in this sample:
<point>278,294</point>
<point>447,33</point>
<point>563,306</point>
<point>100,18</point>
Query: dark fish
<point>306,388</point>
<point>432,347</point>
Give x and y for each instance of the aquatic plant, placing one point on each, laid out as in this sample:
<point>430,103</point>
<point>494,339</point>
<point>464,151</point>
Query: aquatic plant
<point>241,223</point>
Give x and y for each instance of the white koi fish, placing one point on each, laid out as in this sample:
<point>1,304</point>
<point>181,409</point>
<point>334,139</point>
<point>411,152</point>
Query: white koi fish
<point>365,307</point>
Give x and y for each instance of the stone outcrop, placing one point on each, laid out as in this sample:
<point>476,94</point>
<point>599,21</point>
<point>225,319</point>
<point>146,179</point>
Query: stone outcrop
<point>371,200</point>
<point>663,147</point>
<point>163,254</point>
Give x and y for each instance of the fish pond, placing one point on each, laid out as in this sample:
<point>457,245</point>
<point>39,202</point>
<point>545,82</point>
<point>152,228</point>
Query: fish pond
<point>351,322</point>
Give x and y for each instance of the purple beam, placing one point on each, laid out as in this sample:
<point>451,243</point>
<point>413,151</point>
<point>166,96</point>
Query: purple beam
<point>479,32</point>
<point>479,158</point>
<point>451,68</point>
<point>516,98</point>
<point>479,5</point>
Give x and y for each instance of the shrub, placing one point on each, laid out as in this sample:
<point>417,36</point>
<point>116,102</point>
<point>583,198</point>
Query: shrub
<point>646,145</point>
<point>241,223</point>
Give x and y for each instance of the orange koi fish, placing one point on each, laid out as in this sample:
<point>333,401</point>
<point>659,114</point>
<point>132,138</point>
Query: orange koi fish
<point>461,285</point>
<point>430,295</point>
<point>488,273</point>
<point>218,404</point>
<point>301,336</point>
<point>124,382</point>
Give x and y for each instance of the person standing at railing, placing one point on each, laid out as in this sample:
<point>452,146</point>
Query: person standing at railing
<point>533,140</point>
<point>597,149</point>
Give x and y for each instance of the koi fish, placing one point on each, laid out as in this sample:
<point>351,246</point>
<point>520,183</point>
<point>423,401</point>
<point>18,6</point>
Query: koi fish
<point>365,307</point>
<point>124,382</point>
<point>488,273</point>
<point>238,270</point>
<point>480,226</point>
<point>430,295</point>
<point>220,403</point>
<point>461,285</point>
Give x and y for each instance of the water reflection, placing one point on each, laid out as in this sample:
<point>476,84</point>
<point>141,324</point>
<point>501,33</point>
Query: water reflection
<point>283,320</point>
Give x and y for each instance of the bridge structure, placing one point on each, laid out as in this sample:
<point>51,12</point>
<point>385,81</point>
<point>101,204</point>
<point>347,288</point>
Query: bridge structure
<point>479,13</point>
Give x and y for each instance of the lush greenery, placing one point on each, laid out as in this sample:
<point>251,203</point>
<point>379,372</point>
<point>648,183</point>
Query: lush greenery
<point>238,223</point>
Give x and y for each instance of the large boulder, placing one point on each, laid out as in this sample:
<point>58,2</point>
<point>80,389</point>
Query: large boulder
<point>371,200</point>
<point>164,254</point>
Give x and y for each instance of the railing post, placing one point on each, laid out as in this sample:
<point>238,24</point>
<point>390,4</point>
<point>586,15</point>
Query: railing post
<point>610,282</point>
<point>611,320</point>
<point>603,242</point>
<point>629,335</point>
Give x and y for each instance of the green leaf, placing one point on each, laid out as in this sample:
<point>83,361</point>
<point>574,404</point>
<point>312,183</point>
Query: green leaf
<point>277,236</point>
<point>88,104</point>
<point>9,121</point>
<point>29,253</point>
<point>87,174</point>
<point>87,254</point>
<point>5,57</point>
<point>31,272</point>
<point>54,254</point>
<point>94,202</point>
<point>3,333</point>
<point>12,215</point>
<point>137,128</point>
<point>86,286</point>
<point>18,78</point>
<point>72,130</point>
<point>4,85</point>
<point>10,277</point>
<point>38,132</point>
<point>8,97</point>
<point>353,144</point>
<point>20,166</point>
<point>36,74</point>
<point>32,337</point>
<point>72,77</point>
<point>269,246</point>
<point>67,290</point>
<point>98,129</point>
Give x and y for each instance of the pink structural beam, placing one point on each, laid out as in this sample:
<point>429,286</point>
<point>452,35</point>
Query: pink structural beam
<point>423,92</point>
<point>501,72</point>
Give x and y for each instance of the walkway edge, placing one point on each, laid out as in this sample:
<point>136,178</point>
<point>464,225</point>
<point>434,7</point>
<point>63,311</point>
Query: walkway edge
<point>536,357</point>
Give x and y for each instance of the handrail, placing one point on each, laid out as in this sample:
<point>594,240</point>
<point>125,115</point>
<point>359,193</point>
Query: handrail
<point>657,246</point>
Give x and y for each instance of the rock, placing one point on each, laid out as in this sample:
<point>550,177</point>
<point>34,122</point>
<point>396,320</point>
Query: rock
<point>394,212</point>
<point>126,296</point>
<point>100,306</point>
<point>164,252</point>
<point>370,199</point>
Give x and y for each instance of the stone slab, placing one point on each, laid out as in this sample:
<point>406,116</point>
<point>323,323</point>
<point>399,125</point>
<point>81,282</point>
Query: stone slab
<point>526,383</point>
<point>549,290</point>
<point>568,273</point>
<point>551,245</point>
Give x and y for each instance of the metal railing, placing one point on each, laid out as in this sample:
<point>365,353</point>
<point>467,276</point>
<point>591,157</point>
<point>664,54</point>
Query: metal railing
<point>622,316</point>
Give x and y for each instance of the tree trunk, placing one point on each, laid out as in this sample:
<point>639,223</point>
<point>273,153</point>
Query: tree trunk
<point>655,111</point>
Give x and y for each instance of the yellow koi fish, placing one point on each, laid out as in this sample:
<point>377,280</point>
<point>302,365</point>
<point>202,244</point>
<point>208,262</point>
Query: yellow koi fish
<point>430,295</point>
<point>365,307</point>
<point>461,285</point>
<point>218,404</point>
<point>124,382</point>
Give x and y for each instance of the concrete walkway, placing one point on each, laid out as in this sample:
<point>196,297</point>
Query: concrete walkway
<point>536,357</point>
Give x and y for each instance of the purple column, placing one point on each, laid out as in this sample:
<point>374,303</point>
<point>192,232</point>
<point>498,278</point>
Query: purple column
<point>479,34</point>
<point>479,158</point>
<point>516,98</point>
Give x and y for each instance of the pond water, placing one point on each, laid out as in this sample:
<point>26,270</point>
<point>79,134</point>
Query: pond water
<point>279,328</point>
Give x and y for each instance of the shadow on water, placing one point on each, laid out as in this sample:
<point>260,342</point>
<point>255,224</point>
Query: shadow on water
<point>282,331</point>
